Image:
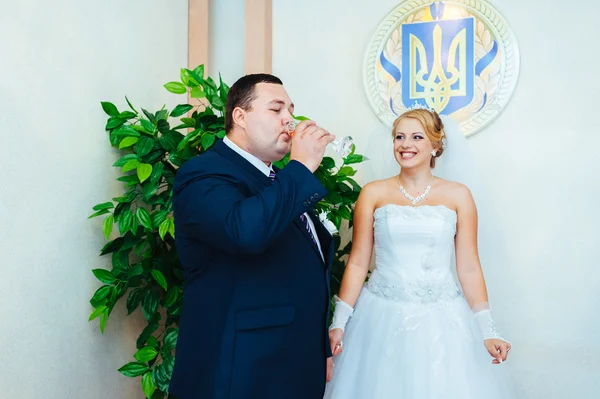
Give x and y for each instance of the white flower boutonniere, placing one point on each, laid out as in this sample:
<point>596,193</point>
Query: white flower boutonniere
<point>327,223</point>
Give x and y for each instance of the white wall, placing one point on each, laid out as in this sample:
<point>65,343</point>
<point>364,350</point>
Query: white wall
<point>58,60</point>
<point>226,40</point>
<point>538,160</point>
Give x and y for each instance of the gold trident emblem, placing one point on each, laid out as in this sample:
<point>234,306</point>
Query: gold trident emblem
<point>437,88</point>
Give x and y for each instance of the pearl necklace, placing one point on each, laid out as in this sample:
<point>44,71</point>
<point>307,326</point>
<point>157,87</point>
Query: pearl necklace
<point>410,197</point>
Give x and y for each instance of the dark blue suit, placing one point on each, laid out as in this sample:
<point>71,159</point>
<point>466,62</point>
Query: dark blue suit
<point>256,297</point>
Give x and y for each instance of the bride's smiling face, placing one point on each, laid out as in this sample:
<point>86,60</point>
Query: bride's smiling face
<point>412,147</point>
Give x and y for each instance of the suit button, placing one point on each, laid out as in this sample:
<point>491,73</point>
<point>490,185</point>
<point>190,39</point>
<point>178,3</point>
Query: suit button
<point>305,204</point>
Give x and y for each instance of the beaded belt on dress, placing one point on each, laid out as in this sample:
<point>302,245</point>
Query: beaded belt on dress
<point>424,291</point>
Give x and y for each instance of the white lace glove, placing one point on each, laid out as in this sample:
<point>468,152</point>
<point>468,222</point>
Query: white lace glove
<point>341,315</point>
<point>485,322</point>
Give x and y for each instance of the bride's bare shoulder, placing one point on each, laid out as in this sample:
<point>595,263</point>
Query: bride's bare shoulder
<point>451,186</point>
<point>456,192</point>
<point>377,188</point>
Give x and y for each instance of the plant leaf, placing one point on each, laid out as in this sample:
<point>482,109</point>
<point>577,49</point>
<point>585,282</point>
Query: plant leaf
<point>199,70</point>
<point>145,354</point>
<point>160,278</point>
<point>197,92</point>
<point>102,212</point>
<point>148,385</point>
<point>345,213</point>
<point>104,205</point>
<point>144,218</point>
<point>103,320</point>
<point>101,293</point>
<point>217,102</point>
<point>170,339</point>
<point>127,115</point>
<point>189,122</point>
<point>207,140</point>
<point>104,276</point>
<point>144,146</point>
<point>146,333</point>
<point>158,218</point>
<point>163,228</point>
<point>346,171</point>
<point>184,76</point>
<point>160,377</point>
<point>148,126</point>
<point>181,109</point>
<point>125,221</point>
<point>130,165</point>
<point>144,171</point>
<point>127,142</point>
<point>110,109</point>
<point>176,87</point>
<point>126,131</point>
<point>107,225</point>
<point>97,312</point>
<point>172,227</point>
<point>152,341</point>
<point>328,163</point>
<point>354,158</point>
<point>133,369</point>
<point>114,122</point>
<point>130,106</point>
<point>171,297</point>
<point>157,170</point>
<point>150,304</point>
<point>124,159</point>
<point>133,300</point>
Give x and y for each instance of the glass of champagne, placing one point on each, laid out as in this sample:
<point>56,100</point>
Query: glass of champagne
<point>342,146</point>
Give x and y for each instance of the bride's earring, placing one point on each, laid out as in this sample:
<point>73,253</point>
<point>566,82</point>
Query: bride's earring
<point>433,152</point>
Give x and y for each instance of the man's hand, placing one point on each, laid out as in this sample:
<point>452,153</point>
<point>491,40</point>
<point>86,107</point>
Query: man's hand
<point>308,144</point>
<point>329,369</point>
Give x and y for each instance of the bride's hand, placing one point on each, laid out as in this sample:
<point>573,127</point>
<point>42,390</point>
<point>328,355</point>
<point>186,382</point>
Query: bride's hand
<point>335,339</point>
<point>497,348</point>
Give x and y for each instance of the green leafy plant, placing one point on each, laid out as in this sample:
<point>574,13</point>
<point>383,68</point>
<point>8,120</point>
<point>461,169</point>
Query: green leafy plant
<point>139,224</point>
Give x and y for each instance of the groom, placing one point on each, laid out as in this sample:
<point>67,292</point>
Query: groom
<point>256,259</point>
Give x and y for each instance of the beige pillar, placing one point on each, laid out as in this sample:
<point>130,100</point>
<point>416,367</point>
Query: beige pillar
<point>198,18</point>
<point>257,36</point>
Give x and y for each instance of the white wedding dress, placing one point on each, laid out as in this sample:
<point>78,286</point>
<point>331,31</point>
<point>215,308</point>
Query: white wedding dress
<point>411,335</point>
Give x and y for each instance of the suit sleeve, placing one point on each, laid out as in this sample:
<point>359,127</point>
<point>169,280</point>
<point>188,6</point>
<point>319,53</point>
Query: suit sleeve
<point>212,207</point>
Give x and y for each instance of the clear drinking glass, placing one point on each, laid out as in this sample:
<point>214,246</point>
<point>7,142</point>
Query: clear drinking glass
<point>342,146</point>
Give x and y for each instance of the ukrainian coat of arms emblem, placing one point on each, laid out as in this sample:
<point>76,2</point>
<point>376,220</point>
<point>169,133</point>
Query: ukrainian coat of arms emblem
<point>458,57</point>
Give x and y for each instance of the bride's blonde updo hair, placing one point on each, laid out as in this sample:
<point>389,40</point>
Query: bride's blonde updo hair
<point>433,126</point>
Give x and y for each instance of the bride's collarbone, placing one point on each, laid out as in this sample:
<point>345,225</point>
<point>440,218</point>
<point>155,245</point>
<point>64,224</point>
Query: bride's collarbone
<point>397,199</point>
<point>415,206</point>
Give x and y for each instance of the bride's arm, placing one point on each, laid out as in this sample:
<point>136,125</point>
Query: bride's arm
<point>362,247</point>
<point>468,266</point>
<point>356,268</point>
<point>470,275</point>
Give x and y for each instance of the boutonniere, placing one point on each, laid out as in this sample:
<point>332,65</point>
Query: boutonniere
<point>328,224</point>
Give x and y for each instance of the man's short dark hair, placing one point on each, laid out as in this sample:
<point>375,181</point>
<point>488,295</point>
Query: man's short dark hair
<point>242,93</point>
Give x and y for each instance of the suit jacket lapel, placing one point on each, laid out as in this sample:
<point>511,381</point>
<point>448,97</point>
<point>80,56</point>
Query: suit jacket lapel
<point>302,226</point>
<point>236,158</point>
<point>325,238</point>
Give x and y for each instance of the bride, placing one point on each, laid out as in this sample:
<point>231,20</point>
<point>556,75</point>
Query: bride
<point>410,332</point>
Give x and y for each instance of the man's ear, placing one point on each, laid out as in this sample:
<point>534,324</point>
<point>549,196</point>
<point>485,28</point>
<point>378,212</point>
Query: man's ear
<point>238,116</point>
